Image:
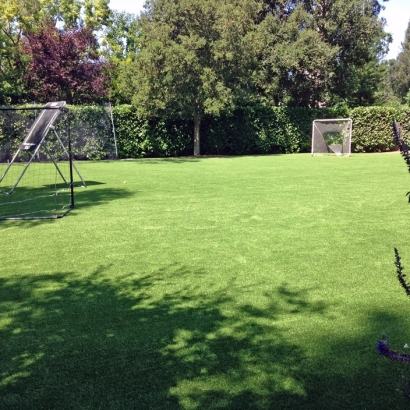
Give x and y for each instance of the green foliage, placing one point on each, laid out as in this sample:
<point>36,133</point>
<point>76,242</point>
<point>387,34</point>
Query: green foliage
<point>194,59</point>
<point>400,69</point>
<point>119,44</point>
<point>403,116</point>
<point>355,28</point>
<point>261,129</point>
<point>312,53</point>
<point>12,127</point>
<point>249,129</point>
<point>19,17</point>
<point>372,130</point>
<point>149,138</point>
<point>91,133</point>
<point>199,58</point>
<point>130,132</point>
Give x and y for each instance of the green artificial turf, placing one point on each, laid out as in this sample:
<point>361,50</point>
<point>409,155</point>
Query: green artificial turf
<point>211,283</point>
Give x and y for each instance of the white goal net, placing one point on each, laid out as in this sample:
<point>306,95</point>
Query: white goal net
<point>332,136</point>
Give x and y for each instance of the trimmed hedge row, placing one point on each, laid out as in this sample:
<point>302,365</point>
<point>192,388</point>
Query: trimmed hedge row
<point>252,129</point>
<point>372,131</point>
<point>249,129</point>
<point>90,130</point>
<point>138,138</point>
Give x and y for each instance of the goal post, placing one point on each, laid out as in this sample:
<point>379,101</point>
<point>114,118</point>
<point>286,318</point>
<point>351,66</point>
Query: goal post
<point>332,136</point>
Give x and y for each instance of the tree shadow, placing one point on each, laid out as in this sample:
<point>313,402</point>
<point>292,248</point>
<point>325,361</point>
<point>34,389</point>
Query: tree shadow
<point>92,196</point>
<point>71,341</point>
<point>359,378</point>
<point>77,341</point>
<point>91,183</point>
<point>84,197</point>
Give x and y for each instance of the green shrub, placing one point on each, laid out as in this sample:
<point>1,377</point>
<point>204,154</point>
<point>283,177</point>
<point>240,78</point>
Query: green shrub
<point>261,129</point>
<point>372,130</point>
<point>403,116</point>
<point>130,132</point>
<point>252,128</point>
<point>138,137</point>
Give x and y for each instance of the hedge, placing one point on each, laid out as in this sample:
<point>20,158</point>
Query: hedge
<point>249,129</point>
<point>252,129</point>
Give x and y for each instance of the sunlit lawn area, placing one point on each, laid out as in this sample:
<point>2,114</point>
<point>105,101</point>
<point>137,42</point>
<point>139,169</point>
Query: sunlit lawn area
<point>211,283</point>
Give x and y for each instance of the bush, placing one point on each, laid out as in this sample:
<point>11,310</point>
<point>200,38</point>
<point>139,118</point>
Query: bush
<point>138,137</point>
<point>372,130</point>
<point>261,129</point>
<point>252,128</point>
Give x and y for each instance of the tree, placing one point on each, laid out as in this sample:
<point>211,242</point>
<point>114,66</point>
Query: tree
<point>119,44</point>
<point>355,28</point>
<point>400,70</point>
<point>18,17</point>
<point>63,65</point>
<point>12,65</point>
<point>295,64</point>
<point>121,36</point>
<point>321,51</point>
<point>194,59</point>
<point>26,14</point>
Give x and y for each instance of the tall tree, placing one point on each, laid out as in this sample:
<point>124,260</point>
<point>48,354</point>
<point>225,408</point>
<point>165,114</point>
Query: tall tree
<point>295,64</point>
<point>12,64</point>
<point>63,65</point>
<point>121,37</point>
<point>194,58</point>
<point>355,28</point>
<point>321,51</point>
<point>400,69</point>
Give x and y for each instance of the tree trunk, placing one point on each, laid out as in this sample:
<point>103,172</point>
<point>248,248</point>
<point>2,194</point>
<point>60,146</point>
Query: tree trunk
<point>197,135</point>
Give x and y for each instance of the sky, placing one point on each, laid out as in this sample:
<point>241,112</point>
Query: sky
<point>397,14</point>
<point>131,6</point>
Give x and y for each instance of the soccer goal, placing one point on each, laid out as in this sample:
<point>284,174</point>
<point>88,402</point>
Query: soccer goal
<point>36,168</point>
<point>332,136</point>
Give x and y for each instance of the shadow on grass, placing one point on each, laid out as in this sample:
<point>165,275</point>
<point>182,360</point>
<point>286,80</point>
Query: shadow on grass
<point>90,183</point>
<point>94,196</point>
<point>71,342</point>
<point>91,196</point>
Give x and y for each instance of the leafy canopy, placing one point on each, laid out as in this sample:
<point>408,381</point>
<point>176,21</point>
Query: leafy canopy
<point>194,58</point>
<point>63,65</point>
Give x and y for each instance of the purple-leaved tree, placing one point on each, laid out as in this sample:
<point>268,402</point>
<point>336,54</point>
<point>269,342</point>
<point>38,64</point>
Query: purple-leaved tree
<point>64,65</point>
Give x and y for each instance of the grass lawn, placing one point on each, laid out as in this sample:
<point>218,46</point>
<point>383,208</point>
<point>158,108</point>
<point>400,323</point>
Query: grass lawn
<point>213,283</point>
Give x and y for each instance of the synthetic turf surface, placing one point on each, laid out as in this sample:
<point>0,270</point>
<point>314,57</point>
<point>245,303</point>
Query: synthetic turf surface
<point>212,283</point>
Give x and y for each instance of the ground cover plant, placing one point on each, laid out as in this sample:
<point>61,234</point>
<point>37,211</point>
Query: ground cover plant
<point>210,283</point>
